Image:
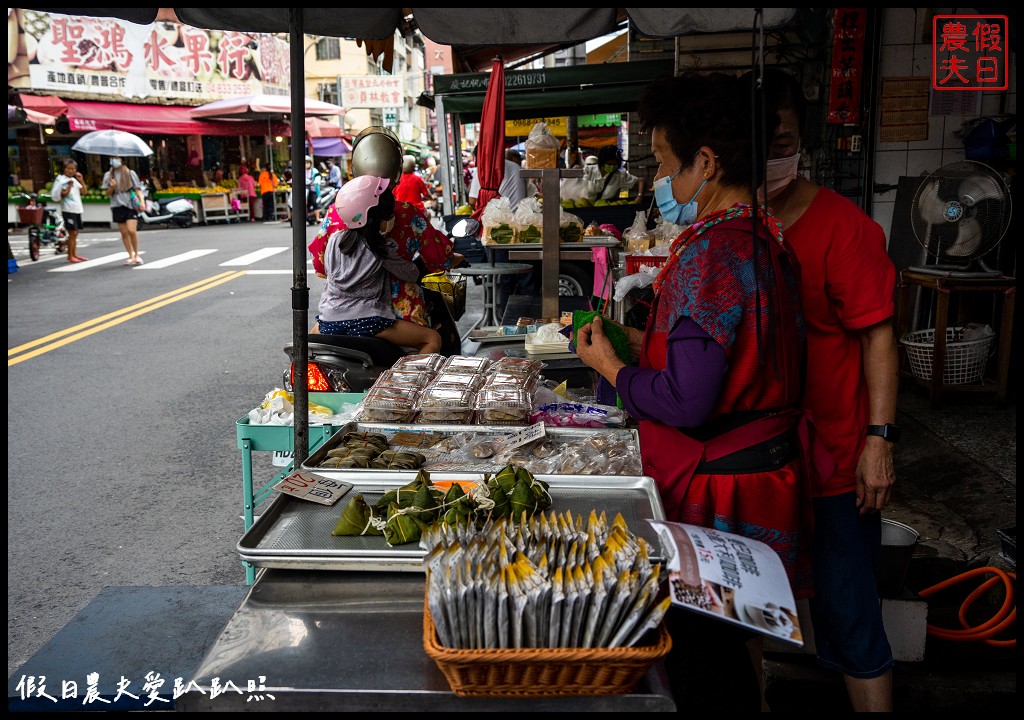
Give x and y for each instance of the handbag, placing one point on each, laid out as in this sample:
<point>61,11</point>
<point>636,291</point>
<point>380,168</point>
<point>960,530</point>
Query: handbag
<point>138,204</point>
<point>452,288</point>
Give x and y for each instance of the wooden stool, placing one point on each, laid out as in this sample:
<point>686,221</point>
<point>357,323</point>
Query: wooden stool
<point>944,288</point>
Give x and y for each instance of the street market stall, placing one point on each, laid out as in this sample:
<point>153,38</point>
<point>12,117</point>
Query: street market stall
<point>332,639</point>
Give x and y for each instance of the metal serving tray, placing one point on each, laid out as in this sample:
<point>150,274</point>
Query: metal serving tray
<point>296,534</point>
<point>313,462</point>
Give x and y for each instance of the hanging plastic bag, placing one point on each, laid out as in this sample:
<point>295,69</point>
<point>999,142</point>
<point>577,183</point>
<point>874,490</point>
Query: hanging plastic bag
<point>665,232</point>
<point>541,148</point>
<point>498,222</point>
<point>529,221</point>
<point>637,237</point>
<point>570,227</point>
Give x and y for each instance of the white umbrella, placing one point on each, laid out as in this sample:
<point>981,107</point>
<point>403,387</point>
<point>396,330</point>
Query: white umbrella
<point>112,142</point>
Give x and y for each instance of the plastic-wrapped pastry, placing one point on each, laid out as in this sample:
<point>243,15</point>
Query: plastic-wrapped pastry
<point>503,406</point>
<point>480,449</point>
<point>446,405</point>
<point>453,442</point>
<point>430,362</point>
<point>389,405</point>
<point>463,365</point>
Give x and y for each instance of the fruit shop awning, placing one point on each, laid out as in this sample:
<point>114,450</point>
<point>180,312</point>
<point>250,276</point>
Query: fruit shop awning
<point>330,147</point>
<point>157,120</point>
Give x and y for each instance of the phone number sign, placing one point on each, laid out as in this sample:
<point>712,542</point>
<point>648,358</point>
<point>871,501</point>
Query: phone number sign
<point>970,52</point>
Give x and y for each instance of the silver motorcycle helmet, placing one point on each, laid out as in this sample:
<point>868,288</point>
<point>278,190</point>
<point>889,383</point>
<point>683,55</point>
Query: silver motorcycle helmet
<point>377,151</point>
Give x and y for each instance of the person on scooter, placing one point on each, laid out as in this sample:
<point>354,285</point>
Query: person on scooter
<point>358,260</point>
<point>67,193</point>
<point>333,174</point>
<point>411,188</point>
<point>377,151</point>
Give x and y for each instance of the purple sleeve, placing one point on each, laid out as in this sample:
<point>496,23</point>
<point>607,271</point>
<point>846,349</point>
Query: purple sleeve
<point>683,394</point>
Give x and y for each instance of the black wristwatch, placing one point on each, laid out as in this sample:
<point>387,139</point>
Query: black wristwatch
<point>888,432</point>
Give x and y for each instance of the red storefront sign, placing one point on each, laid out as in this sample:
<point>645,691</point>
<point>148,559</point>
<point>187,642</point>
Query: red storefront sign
<point>969,52</point>
<point>847,66</point>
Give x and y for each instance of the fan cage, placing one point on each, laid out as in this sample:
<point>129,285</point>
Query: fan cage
<point>965,359</point>
<point>992,214</point>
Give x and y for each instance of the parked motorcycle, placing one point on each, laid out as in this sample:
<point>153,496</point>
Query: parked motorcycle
<point>49,230</point>
<point>342,363</point>
<point>178,210</point>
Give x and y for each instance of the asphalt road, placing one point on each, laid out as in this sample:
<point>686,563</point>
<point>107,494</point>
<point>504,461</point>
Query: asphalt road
<point>123,468</point>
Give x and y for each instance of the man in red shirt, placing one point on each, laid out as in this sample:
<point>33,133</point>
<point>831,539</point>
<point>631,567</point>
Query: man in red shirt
<point>411,188</point>
<point>847,283</point>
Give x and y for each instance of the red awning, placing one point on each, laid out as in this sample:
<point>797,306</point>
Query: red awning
<point>46,104</point>
<point>157,120</point>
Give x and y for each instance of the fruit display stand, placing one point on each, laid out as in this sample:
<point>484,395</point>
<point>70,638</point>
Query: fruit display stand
<point>281,202</point>
<point>214,207</point>
<point>242,213</point>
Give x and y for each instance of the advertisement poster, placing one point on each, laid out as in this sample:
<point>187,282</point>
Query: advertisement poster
<point>91,58</point>
<point>730,578</point>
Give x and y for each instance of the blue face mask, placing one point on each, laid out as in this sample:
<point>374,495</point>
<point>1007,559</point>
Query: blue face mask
<point>670,209</point>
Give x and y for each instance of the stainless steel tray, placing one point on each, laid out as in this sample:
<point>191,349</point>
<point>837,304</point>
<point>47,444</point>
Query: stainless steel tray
<point>313,462</point>
<point>296,533</point>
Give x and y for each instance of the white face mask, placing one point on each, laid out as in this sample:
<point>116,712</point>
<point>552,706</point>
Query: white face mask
<point>115,163</point>
<point>779,174</point>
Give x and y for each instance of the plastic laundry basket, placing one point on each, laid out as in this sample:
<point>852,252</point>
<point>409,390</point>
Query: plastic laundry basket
<point>965,359</point>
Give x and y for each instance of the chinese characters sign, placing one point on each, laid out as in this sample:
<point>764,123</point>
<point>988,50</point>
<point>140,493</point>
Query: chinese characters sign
<point>372,91</point>
<point>521,128</point>
<point>969,52</point>
<point>106,59</point>
<point>847,66</point>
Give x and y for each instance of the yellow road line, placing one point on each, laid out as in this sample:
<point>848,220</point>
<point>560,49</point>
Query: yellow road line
<point>117,317</point>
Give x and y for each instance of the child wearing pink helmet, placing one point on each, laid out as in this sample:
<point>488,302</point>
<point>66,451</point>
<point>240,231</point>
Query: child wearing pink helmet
<point>357,260</point>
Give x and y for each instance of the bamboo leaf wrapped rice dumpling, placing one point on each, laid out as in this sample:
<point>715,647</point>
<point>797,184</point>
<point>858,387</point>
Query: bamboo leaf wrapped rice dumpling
<point>356,519</point>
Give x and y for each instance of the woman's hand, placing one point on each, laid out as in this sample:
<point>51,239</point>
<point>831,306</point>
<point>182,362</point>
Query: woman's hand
<point>594,349</point>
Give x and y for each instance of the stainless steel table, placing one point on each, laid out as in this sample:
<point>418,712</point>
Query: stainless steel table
<point>353,642</point>
<point>491,273</point>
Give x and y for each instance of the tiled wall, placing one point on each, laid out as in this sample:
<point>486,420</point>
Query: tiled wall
<point>905,52</point>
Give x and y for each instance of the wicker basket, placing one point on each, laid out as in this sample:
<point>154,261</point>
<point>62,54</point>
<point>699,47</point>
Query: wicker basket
<point>543,672</point>
<point>30,215</point>
<point>452,289</point>
<point>965,359</point>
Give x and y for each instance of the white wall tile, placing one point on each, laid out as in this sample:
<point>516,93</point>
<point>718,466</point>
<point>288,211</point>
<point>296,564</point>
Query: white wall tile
<point>881,213</point>
<point>896,60</point>
<point>922,162</point>
<point>898,26</point>
<point>890,166</point>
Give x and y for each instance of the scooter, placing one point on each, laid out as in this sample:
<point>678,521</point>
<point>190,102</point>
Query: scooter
<point>347,363</point>
<point>324,200</point>
<point>342,363</point>
<point>180,211</point>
